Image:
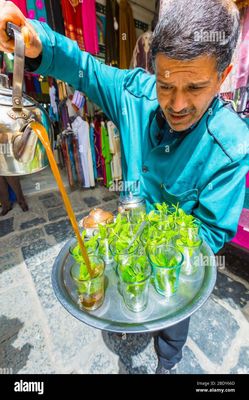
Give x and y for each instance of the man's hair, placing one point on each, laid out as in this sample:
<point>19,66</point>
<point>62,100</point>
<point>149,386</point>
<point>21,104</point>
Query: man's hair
<point>188,29</point>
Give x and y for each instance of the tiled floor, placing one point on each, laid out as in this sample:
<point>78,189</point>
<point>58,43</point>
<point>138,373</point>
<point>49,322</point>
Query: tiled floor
<point>41,182</point>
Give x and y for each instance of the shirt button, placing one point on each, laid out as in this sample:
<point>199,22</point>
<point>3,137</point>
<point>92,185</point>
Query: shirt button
<point>145,169</point>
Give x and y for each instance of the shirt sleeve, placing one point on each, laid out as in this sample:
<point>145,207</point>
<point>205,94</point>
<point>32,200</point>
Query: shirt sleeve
<point>221,203</point>
<point>31,64</point>
<point>62,59</point>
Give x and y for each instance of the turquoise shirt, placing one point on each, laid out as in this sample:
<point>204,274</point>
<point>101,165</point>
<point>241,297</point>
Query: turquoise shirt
<point>203,169</point>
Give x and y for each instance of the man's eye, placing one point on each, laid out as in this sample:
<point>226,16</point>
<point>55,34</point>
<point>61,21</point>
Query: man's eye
<point>165,87</point>
<point>195,88</point>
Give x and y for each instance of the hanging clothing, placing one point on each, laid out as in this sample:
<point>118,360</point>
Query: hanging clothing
<point>37,84</point>
<point>72,14</point>
<point>141,54</point>
<point>77,161</point>
<point>64,117</point>
<point>89,22</point>
<point>242,3</point>
<point>45,86</point>
<point>53,108</point>
<point>98,151</point>
<point>114,141</point>
<point>54,16</point>
<point>64,148</point>
<point>92,139</point>
<point>243,68</point>
<point>106,155</point>
<point>71,110</point>
<point>81,129</point>
<point>29,84</point>
<point>62,91</point>
<point>230,83</point>
<point>78,99</point>
<point>127,34</point>
<point>22,5</point>
<point>112,33</point>
<point>69,138</point>
<point>156,14</point>
<point>36,10</point>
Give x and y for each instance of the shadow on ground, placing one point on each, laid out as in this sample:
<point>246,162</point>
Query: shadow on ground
<point>128,347</point>
<point>11,357</point>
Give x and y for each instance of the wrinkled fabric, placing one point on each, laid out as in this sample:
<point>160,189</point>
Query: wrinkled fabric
<point>73,21</point>
<point>54,15</point>
<point>107,157</point>
<point>37,10</point>
<point>112,33</point>
<point>203,170</point>
<point>90,26</point>
<point>141,54</point>
<point>243,68</point>
<point>127,34</point>
<point>22,5</point>
<point>242,4</point>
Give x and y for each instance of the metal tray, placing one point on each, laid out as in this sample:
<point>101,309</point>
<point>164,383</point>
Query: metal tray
<point>113,316</point>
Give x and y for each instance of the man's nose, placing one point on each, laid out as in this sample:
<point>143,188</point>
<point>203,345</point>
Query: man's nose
<point>178,103</point>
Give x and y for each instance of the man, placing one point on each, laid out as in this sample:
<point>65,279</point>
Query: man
<point>180,142</point>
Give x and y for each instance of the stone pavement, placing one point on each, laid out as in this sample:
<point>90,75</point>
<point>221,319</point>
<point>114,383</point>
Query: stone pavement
<point>38,336</point>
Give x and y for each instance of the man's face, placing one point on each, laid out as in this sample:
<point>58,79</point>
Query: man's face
<point>185,89</point>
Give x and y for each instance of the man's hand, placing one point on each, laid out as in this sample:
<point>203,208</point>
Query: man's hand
<point>9,12</point>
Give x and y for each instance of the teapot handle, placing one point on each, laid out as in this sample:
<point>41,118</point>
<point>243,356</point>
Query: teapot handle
<point>14,31</point>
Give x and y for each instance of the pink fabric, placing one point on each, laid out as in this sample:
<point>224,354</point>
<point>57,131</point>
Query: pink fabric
<point>89,23</point>
<point>22,5</point>
<point>31,14</point>
<point>247,180</point>
<point>39,4</point>
<point>242,238</point>
<point>243,71</point>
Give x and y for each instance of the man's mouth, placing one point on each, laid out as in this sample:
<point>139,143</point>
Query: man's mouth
<point>178,118</point>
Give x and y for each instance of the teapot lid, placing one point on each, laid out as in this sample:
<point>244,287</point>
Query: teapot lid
<point>130,199</point>
<point>6,94</point>
<point>97,216</point>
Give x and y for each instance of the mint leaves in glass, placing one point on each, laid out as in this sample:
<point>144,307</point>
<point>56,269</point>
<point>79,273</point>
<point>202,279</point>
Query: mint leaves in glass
<point>134,273</point>
<point>91,290</point>
<point>189,242</point>
<point>166,262</point>
<point>169,238</point>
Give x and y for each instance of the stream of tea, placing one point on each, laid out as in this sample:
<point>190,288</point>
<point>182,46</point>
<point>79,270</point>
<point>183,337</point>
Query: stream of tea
<point>41,132</point>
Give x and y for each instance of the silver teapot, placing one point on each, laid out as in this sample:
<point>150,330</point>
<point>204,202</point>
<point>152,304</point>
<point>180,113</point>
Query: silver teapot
<point>21,152</point>
<point>128,203</point>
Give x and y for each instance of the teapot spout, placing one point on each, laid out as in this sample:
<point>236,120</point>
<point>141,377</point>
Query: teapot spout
<point>24,145</point>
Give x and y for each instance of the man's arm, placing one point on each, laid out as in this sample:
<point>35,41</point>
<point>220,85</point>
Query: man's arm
<point>62,59</point>
<point>221,203</point>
